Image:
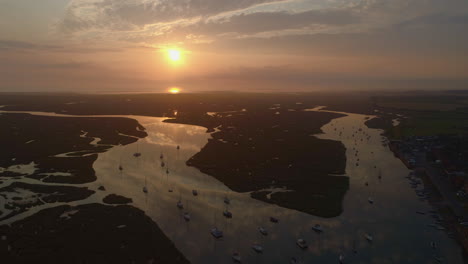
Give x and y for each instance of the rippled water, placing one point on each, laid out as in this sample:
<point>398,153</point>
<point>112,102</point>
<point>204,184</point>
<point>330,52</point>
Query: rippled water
<point>400,235</point>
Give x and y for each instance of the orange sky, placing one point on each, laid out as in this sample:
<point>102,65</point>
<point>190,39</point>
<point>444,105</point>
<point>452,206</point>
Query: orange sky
<point>296,45</point>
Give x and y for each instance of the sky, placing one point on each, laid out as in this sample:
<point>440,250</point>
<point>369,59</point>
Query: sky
<point>236,45</point>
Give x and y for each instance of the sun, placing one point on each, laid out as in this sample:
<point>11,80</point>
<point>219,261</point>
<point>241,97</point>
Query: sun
<point>174,55</point>
<point>174,90</point>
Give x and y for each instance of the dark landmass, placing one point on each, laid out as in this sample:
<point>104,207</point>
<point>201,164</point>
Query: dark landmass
<point>26,138</point>
<point>39,195</point>
<point>272,149</point>
<point>91,233</point>
<point>116,199</point>
<point>189,104</point>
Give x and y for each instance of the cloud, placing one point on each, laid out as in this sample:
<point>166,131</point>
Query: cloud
<point>271,21</point>
<point>21,45</point>
<point>135,14</point>
<point>13,45</point>
<point>437,19</point>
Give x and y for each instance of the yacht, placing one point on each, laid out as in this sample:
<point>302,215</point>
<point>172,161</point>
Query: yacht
<point>187,216</point>
<point>341,259</point>
<point>369,237</point>
<point>302,243</point>
<point>317,228</point>
<point>257,248</point>
<point>180,205</point>
<point>371,201</point>
<point>216,233</point>
<point>273,219</point>
<point>227,214</point>
<point>137,154</point>
<point>236,257</point>
<point>194,192</point>
<point>226,200</point>
<point>145,190</point>
<point>263,231</point>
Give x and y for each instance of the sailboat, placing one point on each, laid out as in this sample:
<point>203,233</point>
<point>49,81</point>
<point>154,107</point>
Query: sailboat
<point>137,154</point>
<point>120,165</point>
<point>341,259</point>
<point>317,228</point>
<point>180,205</point>
<point>236,257</point>
<point>257,248</point>
<point>216,233</point>
<point>263,231</point>
<point>227,214</point>
<point>145,189</point>
<point>187,216</point>
<point>302,243</point>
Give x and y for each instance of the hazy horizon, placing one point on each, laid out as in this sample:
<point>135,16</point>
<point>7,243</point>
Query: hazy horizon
<point>104,46</point>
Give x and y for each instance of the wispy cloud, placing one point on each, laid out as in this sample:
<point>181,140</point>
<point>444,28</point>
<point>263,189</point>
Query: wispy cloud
<point>22,45</point>
<point>124,15</point>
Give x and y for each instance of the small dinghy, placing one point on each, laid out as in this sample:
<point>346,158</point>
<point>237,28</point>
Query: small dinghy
<point>216,233</point>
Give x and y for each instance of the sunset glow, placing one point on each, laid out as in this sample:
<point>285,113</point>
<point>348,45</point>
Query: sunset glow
<point>174,55</point>
<point>174,90</point>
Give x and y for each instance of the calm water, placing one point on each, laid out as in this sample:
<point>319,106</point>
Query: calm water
<point>400,235</point>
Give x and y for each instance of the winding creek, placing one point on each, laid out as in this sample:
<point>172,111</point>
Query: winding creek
<point>400,235</point>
